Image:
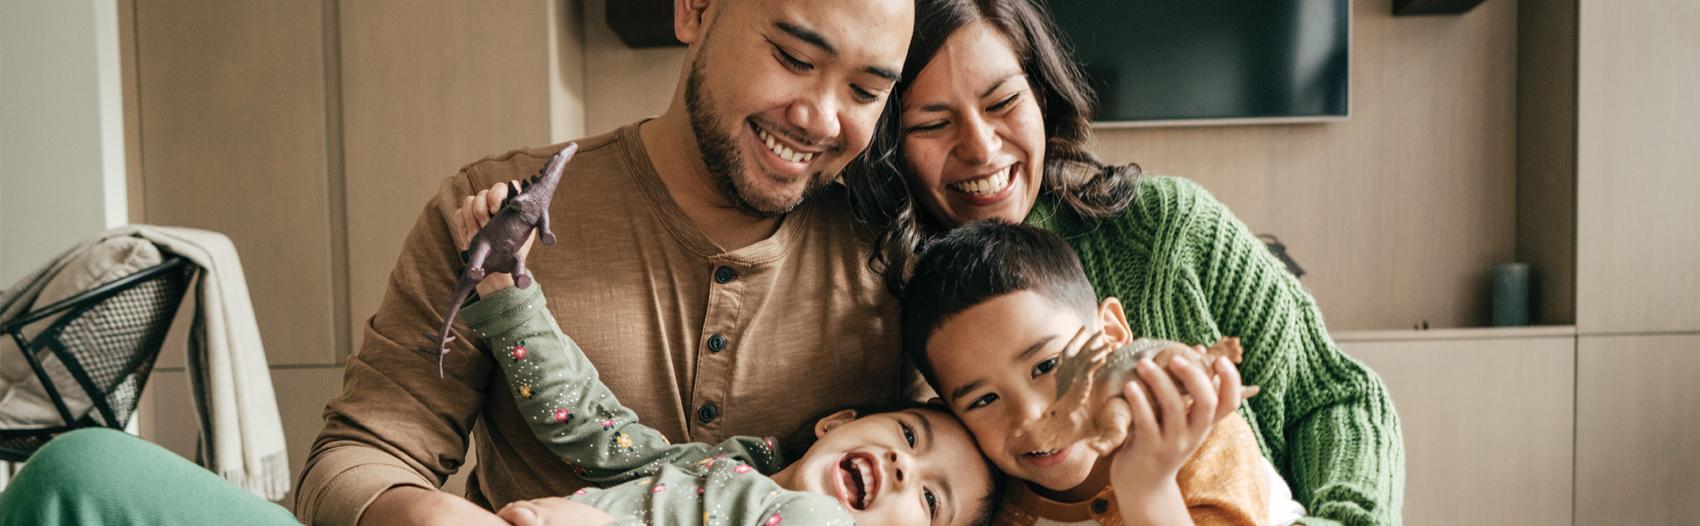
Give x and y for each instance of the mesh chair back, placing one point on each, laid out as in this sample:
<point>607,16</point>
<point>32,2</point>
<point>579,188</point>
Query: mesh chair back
<point>108,339</point>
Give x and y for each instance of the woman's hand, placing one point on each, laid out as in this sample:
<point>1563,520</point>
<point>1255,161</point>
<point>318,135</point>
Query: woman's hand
<point>474,212</point>
<point>552,511</point>
<point>1166,431</point>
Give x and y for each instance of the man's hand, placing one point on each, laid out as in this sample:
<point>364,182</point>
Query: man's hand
<point>410,505</point>
<point>1166,431</point>
<point>553,511</point>
<point>474,212</point>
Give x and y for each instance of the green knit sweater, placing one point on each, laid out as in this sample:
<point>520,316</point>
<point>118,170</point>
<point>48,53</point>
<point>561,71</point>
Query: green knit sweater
<point>1187,270</point>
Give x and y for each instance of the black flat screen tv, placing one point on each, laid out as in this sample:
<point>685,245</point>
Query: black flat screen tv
<point>1156,62</point>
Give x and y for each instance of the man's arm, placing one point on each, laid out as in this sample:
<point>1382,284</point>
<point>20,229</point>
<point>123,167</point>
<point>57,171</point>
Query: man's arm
<point>396,424</point>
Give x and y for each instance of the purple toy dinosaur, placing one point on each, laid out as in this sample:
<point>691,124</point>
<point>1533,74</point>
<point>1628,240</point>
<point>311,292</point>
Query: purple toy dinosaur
<point>495,247</point>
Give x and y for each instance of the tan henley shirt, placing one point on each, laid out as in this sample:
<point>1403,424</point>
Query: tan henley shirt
<point>701,342</point>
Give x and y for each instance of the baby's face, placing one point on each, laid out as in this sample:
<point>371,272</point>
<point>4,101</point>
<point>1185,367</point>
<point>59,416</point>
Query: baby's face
<point>917,466</point>
<point>995,364</point>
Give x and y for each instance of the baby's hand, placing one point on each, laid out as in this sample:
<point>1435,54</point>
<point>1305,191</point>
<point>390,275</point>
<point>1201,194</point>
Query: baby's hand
<point>552,511</point>
<point>474,212</point>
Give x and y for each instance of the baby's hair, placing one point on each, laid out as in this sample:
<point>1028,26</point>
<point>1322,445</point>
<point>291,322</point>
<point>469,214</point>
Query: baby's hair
<point>978,262</point>
<point>804,438</point>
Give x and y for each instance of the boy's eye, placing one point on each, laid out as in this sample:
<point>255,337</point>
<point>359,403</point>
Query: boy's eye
<point>908,434</point>
<point>1045,367</point>
<point>932,503</point>
<point>982,401</point>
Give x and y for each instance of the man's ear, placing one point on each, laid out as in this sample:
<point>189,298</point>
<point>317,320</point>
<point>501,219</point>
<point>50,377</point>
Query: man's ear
<point>1114,322</point>
<point>832,421</point>
<point>690,19</point>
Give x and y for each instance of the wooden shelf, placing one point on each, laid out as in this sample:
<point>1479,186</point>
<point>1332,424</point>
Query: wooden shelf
<point>1468,333</point>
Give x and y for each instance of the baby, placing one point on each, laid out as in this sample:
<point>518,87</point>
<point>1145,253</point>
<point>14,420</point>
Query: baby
<point>911,465</point>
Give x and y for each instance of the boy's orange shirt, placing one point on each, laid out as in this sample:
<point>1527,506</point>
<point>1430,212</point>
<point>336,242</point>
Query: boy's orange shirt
<point>1222,483</point>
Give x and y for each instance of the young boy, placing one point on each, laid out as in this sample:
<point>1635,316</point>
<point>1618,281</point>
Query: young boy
<point>989,311</point>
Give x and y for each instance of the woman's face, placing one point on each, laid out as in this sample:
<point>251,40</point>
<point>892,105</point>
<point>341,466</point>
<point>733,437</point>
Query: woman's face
<point>973,135</point>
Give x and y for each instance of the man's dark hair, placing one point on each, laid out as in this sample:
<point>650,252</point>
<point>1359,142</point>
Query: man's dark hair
<point>981,261</point>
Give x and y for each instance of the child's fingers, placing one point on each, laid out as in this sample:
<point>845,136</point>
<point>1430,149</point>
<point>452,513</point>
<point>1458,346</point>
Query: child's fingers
<point>1197,382</point>
<point>495,196</point>
<point>1170,406</point>
<point>481,208</point>
<point>1229,388</point>
<point>1144,419</point>
<point>520,513</point>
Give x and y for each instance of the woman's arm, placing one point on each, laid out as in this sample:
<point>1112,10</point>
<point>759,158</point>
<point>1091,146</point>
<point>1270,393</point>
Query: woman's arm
<point>1326,417</point>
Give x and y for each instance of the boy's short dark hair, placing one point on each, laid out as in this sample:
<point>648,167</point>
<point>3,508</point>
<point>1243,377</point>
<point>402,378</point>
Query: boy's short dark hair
<point>981,261</point>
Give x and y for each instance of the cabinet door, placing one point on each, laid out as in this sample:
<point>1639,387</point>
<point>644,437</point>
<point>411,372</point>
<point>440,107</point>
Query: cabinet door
<point>1638,430</point>
<point>1487,425</point>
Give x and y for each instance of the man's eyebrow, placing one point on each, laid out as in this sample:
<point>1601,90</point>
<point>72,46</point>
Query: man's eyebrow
<point>882,72</point>
<point>807,35</point>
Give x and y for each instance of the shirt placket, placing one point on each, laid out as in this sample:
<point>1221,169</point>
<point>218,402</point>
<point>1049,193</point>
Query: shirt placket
<point>716,350</point>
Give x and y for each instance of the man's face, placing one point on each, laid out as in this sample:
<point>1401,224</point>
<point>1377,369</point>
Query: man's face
<point>782,94</point>
<point>995,363</point>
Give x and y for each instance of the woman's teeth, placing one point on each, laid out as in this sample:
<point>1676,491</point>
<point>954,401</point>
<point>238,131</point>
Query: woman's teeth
<point>782,151</point>
<point>987,185</point>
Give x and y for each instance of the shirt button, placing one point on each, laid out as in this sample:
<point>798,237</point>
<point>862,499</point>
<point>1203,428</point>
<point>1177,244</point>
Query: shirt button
<point>1100,506</point>
<point>724,275</point>
<point>708,412</point>
<point>716,343</point>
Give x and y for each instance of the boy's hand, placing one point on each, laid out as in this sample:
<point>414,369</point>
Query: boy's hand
<point>474,212</point>
<point>1166,431</point>
<point>552,511</point>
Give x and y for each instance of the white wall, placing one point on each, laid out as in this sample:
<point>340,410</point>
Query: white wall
<point>61,128</point>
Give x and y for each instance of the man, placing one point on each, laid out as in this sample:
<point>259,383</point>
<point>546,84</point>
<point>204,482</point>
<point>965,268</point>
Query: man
<point>704,263</point>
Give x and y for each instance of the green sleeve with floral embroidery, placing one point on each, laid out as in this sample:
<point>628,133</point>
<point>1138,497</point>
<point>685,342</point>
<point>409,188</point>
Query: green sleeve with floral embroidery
<point>568,407</point>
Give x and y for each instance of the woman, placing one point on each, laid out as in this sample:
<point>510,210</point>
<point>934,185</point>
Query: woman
<point>997,129</point>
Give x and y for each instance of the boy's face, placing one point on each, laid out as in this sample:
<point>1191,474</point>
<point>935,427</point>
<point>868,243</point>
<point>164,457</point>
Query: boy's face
<point>917,466</point>
<point>995,362</point>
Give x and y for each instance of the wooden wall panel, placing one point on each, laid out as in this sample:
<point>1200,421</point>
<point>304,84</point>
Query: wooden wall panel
<point>1546,155</point>
<point>1638,167</point>
<point>1637,435</point>
<point>1400,213</point>
<point>232,120</point>
<point>1487,423</point>
<point>424,92</point>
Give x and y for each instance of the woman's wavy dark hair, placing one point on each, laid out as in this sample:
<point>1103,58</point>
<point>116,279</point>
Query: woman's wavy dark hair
<point>880,195</point>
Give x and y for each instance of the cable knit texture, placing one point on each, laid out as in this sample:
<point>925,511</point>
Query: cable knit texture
<point>1186,269</point>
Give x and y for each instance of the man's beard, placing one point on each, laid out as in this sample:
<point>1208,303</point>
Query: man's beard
<point>725,164</point>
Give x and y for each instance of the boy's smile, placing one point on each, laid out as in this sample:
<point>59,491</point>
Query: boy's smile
<point>994,363</point>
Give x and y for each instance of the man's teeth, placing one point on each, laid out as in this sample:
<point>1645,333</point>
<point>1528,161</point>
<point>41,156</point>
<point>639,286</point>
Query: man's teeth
<point>987,185</point>
<point>779,148</point>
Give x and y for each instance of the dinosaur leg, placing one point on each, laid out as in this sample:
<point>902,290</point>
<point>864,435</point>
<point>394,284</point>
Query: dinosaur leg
<point>543,232</point>
<point>1112,423</point>
<point>522,278</point>
<point>475,263</point>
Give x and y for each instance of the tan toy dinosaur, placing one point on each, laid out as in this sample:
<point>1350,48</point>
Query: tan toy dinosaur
<point>1090,406</point>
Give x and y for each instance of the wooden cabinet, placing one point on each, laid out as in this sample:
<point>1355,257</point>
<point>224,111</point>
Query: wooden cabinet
<point>1487,424</point>
<point>1638,429</point>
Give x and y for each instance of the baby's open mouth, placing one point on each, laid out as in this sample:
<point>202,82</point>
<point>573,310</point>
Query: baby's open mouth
<point>859,478</point>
